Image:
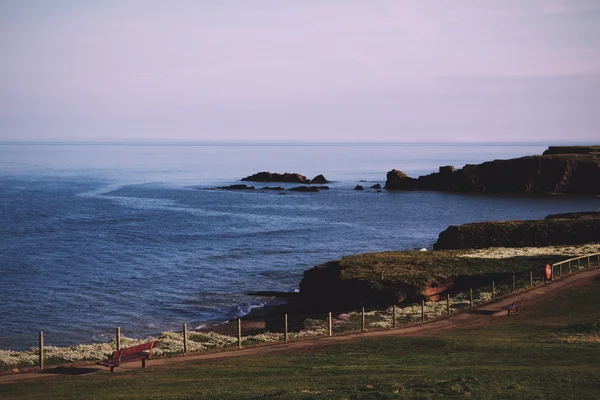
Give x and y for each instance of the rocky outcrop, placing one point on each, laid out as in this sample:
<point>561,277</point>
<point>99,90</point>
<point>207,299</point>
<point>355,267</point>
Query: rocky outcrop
<point>304,189</point>
<point>552,150</point>
<point>319,180</point>
<point>376,186</point>
<point>277,188</point>
<point>286,178</point>
<point>398,180</point>
<point>560,229</point>
<point>274,177</point>
<point>323,289</point>
<point>359,187</point>
<point>556,173</point>
<point>236,187</point>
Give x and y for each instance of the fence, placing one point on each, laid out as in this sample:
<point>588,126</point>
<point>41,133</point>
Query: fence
<point>241,333</point>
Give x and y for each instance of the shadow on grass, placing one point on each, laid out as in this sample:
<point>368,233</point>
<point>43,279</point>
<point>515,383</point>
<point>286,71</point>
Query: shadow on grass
<point>70,370</point>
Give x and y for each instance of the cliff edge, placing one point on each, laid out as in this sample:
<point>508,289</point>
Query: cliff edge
<point>568,170</point>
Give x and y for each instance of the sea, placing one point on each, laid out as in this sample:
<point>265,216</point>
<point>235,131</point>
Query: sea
<point>137,235</point>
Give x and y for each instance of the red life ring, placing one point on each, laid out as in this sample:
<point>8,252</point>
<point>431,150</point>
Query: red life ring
<point>548,271</point>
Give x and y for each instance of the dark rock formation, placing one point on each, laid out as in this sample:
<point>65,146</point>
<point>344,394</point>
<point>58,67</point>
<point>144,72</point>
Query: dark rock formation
<point>574,173</point>
<point>304,189</point>
<point>319,180</point>
<point>322,187</point>
<point>274,177</point>
<point>376,186</point>
<point>359,187</point>
<point>236,187</point>
<point>322,289</point>
<point>272,188</point>
<point>398,180</point>
<point>552,150</point>
<point>560,229</point>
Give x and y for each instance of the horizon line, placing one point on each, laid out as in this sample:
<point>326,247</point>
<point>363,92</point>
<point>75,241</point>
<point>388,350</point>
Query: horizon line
<point>284,143</point>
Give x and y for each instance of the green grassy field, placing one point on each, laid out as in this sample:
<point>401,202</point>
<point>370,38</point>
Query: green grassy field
<point>548,351</point>
<point>419,268</point>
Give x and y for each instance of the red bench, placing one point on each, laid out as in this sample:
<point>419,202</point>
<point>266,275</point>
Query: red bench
<point>136,353</point>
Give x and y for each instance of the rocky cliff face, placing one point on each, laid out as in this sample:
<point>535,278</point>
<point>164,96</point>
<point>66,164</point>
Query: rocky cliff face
<point>323,289</point>
<point>560,229</point>
<point>556,173</point>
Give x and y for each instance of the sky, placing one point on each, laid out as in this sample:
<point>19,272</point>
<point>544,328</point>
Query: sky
<point>300,71</point>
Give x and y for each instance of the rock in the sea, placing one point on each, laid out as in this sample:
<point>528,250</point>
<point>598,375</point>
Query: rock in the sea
<point>279,188</point>
<point>304,189</point>
<point>359,187</point>
<point>319,180</point>
<point>274,177</point>
<point>376,186</point>
<point>322,187</point>
<point>236,187</point>
<point>398,180</point>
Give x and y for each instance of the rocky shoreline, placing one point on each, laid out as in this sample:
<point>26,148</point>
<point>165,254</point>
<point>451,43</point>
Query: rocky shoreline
<point>564,170</point>
<point>383,279</point>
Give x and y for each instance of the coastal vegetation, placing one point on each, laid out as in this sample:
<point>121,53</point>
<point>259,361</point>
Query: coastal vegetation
<point>559,229</point>
<point>393,277</point>
<point>548,351</point>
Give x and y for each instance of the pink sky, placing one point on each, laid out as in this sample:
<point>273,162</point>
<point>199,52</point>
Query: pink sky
<point>351,70</point>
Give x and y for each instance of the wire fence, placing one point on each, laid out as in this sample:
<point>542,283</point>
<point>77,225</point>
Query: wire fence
<point>240,333</point>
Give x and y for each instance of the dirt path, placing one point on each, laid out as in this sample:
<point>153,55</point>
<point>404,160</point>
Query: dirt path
<point>479,315</point>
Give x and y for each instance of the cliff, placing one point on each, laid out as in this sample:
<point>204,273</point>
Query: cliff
<point>559,170</point>
<point>383,279</point>
<point>559,229</point>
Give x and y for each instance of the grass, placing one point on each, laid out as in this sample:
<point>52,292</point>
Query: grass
<point>520,357</point>
<point>421,267</point>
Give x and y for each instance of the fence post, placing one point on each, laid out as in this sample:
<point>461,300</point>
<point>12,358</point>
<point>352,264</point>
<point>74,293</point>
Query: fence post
<point>588,262</point>
<point>41,350</point>
<point>493,290</point>
<point>118,338</point>
<point>569,266</point>
<point>185,339</point>
<point>381,273</point>
<point>470,298</point>
<point>285,336</point>
<point>239,333</point>
<point>330,325</point>
<point>560,269</point>
<point>363,320</point>
<point>394,316</point>
<point>422,310</point>
<point>514,284</point>
<point>531,278</point>
<point>448,303</point>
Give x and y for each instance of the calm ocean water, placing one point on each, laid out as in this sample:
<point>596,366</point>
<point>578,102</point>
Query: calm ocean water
<point>98,236</point>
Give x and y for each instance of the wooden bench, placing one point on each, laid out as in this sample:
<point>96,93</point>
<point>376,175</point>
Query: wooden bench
<point>136,353</point>
<point>514,306</point>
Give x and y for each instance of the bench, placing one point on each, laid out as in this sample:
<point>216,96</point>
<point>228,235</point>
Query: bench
<point>514,306</point>
<point>136,353</point>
